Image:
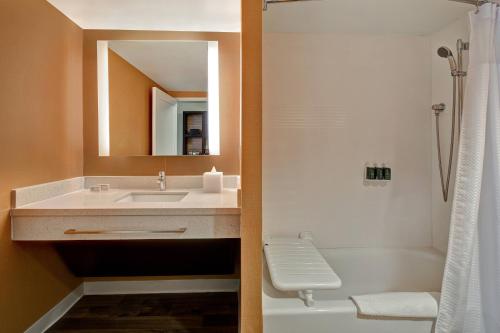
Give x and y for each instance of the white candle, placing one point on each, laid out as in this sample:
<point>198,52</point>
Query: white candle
<point>213,181</point>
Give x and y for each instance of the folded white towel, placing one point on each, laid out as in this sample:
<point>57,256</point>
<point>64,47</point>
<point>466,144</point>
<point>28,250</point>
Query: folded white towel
<point>399,304</point>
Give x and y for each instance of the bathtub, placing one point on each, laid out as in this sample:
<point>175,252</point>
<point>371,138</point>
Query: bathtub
<point>363,271</point>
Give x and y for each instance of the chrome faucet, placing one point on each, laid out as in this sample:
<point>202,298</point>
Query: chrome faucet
<point>162,180</point>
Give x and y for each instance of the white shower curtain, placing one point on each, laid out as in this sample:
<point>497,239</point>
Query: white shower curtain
<point>470,300</point>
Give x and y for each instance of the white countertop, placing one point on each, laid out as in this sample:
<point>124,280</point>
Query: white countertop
<point>86,203</point>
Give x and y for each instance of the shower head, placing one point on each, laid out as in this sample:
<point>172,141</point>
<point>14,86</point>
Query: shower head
<point>445,52</point>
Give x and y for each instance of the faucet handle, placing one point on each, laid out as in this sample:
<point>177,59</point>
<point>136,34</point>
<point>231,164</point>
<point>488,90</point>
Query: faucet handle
<point>162,181</point>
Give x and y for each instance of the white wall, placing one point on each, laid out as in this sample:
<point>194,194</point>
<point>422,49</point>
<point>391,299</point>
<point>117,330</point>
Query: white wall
<point>331,103</point>
<point>442,93</point>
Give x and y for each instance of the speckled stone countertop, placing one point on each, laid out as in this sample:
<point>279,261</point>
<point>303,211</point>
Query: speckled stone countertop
<point>84,203</point>
<point>67,210</point>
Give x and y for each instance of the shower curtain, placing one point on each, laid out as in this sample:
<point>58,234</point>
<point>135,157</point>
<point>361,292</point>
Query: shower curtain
<point>470,300</point>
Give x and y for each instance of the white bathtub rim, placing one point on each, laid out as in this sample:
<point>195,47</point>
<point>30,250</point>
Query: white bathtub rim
<point>425,250</point>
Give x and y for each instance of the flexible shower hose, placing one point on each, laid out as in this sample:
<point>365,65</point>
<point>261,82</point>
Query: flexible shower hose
<point>458,82</point>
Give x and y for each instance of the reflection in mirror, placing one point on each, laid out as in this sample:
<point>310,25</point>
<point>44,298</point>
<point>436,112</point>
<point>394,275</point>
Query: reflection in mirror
<point>158,98</point>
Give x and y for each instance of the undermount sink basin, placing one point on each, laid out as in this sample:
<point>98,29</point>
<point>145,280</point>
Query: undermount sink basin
<point>153,197</point>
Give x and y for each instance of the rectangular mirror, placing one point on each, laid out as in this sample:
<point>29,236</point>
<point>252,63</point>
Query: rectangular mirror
<point>158,97</point>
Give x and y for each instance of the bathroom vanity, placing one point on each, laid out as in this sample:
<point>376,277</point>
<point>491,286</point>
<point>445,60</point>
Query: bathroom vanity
<point>132,209</point>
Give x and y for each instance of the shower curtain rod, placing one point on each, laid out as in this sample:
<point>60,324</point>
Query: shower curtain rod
<point>267,2</point>
<point>478,2</point>
<point>470,2</point>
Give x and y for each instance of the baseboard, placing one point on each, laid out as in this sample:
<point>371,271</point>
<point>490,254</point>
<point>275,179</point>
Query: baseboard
<point>54,314</point>
<point>160,286</point>
<point>130,287</point>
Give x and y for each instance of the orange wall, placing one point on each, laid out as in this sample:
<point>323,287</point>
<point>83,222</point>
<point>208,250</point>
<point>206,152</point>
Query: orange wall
<point>251,167</point>
<point>40,141</point>
<point>129,108</point>
<point>187,93</point>
<point>228,161</point>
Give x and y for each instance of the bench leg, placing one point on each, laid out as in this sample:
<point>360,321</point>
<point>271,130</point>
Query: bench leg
<point>307,297</point>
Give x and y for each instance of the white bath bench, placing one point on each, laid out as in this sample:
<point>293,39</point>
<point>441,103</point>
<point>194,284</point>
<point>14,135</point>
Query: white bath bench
<point>296,265</point>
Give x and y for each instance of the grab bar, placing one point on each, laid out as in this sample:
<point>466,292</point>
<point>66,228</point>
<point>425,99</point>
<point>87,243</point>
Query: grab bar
<point>110,232</point>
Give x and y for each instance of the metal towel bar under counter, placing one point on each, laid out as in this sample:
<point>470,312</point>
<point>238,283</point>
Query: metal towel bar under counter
<point>108,232</point>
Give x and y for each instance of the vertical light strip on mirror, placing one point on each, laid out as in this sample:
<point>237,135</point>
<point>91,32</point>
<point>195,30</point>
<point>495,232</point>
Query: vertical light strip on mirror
<point>213,98</point>
<point>103,97</point>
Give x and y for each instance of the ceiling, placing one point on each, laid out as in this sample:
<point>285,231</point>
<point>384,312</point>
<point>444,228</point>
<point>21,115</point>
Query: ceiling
<point>417,17</point>
<point>169,15</point>
<point>175,65</point>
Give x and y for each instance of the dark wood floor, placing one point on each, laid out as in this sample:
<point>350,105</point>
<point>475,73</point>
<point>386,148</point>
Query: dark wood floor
<point>152,313</point>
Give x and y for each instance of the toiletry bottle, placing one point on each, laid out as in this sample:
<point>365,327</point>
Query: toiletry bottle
<point>387,172</point>
<point>370,172</point>
<point>380,173</point>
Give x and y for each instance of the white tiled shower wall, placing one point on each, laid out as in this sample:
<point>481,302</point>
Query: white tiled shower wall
<point>332,102</point>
